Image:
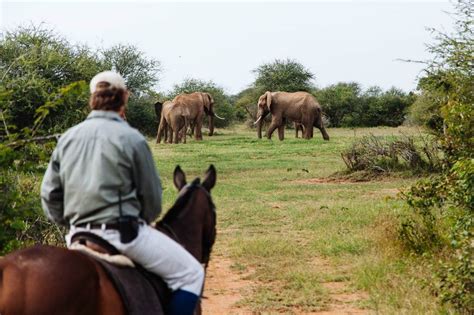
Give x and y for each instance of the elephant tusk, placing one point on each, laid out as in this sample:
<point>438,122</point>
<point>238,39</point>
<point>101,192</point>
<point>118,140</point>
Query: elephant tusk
<point>257,120</point>
<point>219,117</point>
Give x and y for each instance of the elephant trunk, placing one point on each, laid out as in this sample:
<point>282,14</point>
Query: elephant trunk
<point>319,124</point>
<point>261,116</point>
<point>325,134</point>
<point>211,125</point>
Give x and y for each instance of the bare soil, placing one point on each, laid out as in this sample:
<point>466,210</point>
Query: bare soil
<point>225,287</point>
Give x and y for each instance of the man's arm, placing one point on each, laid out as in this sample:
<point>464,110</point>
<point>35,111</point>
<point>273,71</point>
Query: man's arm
<point>52,195</point>
<point>148,182</point>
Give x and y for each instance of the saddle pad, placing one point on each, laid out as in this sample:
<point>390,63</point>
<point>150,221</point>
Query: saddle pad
<point>119,260</point>
<point>140,290</point>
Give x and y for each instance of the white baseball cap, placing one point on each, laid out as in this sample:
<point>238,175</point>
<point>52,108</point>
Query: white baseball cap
<point>111,77</point>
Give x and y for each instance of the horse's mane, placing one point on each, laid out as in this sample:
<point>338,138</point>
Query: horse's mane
<point>181,202</point>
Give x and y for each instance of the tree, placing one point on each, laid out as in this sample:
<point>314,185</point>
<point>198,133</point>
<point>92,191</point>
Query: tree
<point>338,101</point>
<point>140,72</point>
<point>379,108</point>
<point>283,75</point>
<point>35,64</point>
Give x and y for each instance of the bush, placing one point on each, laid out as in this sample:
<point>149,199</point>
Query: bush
<point>443,207</point>
<point>346,105</point>
<point>22,220</point>
<point>141,114</point>
<point>378,155</point>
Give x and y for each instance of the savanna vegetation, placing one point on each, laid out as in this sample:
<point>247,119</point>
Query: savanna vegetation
<point>378,218</point>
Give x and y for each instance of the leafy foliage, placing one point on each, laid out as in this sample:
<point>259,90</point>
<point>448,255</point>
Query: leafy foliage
<point>139,71</point>
<point>283,75</point>
<point>339,100</point>
<point>141,113</point>
<point>35,64</point>
<point>21,217</point>
<point>346,105</point>
<point>443,207</point>
<point>44,91</point>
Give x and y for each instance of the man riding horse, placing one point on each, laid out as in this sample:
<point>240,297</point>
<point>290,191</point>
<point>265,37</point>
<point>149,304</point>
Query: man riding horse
<point>102,179</point>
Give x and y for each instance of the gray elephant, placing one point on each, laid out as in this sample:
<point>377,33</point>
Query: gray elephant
<point>196,105</point>
<point>174,122</point>
<point>299,107</point>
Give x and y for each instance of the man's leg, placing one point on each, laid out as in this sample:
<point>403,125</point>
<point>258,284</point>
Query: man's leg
<point>161,255</point>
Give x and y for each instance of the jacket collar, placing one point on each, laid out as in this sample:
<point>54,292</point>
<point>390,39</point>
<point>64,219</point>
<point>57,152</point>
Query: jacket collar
<point>107,114</point>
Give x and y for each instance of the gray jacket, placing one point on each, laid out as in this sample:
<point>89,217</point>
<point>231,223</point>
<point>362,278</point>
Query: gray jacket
<point>93,162</point>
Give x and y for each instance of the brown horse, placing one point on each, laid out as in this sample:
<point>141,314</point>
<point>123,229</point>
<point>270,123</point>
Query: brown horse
<point>52,280</point>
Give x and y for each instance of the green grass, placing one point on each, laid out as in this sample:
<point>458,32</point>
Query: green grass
<point>290,235</point>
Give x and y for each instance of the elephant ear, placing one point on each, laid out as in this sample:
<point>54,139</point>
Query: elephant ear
<point>269,99</point>
<point>208,102</point>
<point>211,100</point>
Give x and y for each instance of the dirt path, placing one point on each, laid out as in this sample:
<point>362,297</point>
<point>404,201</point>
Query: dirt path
<point>225,288</point>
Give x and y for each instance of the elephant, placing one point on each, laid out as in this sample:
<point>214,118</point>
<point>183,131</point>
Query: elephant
<point>299,107</point>
<point>197,104</point>
<point>173,122</point>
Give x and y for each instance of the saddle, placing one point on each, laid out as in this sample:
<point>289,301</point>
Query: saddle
<point>142,292</point>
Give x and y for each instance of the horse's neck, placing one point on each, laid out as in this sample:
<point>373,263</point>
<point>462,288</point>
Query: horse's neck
<point>186,229</point>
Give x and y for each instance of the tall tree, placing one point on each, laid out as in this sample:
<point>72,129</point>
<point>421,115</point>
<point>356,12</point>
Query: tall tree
<point>140,71</point>
<point>283,75</point>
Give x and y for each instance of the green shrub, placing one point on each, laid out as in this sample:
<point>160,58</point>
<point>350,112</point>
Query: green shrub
<point>141,115</point>
<point>22,220</point>
<point>442,207</point>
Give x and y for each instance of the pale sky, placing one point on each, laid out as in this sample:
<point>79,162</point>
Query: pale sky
<point>223,41</point>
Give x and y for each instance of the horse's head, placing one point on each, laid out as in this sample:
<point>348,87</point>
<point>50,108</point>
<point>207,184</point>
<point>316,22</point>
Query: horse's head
<point>192,219</point>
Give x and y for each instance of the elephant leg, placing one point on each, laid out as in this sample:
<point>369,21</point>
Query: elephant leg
<point>308,130</point>
<point>169,139</point>
<point>274,125</point>
<point>297,128</point>
<point>158,135</point>
<point>281,130</point>
<point>197,130</point>
<point>185,129</point>
<point>161,128</point>
<point>176,135</point>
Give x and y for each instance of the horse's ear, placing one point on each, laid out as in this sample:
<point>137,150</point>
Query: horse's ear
<point>210,179</point>
<point>179,179</point>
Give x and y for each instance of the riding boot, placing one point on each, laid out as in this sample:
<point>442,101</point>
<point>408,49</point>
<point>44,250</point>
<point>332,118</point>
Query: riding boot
<point>182,303</point>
